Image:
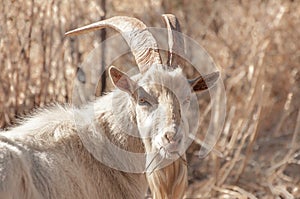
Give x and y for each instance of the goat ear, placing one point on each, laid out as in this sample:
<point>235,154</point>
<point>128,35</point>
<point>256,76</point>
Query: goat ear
<point>121,80</point>
<point>204,82</point>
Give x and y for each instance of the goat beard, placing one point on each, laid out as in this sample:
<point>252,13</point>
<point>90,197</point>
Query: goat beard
<point>170,181</point>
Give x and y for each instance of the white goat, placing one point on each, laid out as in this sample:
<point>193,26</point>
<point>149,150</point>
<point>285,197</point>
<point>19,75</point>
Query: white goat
<point>45,156</point>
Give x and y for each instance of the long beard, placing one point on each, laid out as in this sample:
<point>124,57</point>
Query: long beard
<point>169,182</point>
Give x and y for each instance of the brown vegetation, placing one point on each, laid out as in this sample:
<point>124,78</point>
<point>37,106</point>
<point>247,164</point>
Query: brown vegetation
<point>255,44</point>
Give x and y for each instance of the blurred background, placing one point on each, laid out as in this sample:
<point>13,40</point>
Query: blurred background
<point>255,44</point>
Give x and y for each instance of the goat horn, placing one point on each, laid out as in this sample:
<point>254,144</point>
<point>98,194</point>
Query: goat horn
<point>175,40</point>
<point>140,40</point>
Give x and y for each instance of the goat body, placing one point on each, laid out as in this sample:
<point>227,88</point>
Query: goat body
<point>45,157</point>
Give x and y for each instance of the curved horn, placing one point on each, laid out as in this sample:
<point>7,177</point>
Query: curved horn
<point>140,40</point>
<point>175,40</point>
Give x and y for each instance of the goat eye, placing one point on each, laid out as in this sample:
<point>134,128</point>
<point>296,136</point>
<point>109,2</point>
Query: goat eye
<point>187,100</point>
<point>143,102</point>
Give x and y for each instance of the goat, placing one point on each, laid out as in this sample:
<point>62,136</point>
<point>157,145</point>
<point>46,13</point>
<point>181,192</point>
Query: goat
<point>47,155</point>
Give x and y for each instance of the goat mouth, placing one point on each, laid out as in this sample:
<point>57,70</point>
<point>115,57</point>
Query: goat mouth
<point>172,147</point>
<point>170,151</point>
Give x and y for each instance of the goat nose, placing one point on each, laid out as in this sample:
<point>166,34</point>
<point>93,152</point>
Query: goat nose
<point>170,136</point>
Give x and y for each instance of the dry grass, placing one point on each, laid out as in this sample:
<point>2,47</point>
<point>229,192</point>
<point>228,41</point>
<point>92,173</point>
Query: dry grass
<point>255,43</point>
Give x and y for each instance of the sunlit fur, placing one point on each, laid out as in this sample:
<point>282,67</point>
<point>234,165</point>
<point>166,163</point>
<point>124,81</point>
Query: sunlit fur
<point>45,158</point>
